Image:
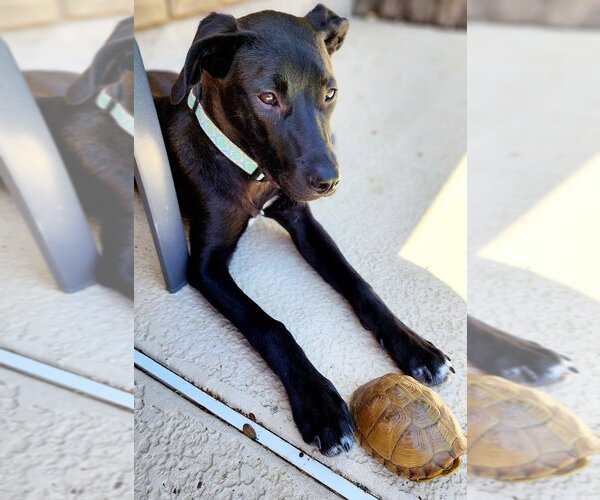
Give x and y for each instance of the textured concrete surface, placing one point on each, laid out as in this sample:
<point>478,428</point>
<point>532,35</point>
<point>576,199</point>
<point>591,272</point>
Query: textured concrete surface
<point>212,459</point>
<point>88,332</point>
<point>55,444</point>
<point>533,126</point>
<point>400,130</point>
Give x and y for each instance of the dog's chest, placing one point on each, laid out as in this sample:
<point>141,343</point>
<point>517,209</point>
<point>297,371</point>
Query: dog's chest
<point>257,194</point>
<point>259,211</point>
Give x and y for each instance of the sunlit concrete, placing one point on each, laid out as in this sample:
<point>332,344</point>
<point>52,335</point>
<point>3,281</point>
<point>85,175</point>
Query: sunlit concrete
<point>558,237</point>
<point>439,242</point>
<point>533,209</point>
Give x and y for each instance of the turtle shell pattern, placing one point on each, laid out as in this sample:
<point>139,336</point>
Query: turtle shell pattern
<point>407,427</point>
<point>519,433</point>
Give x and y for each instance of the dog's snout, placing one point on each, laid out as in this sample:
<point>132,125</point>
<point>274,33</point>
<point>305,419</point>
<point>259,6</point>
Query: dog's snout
<point>325,186</point>
<point>324,179</point>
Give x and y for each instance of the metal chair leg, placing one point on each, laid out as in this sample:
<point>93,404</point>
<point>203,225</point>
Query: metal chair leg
<point>155,182</point>
<point>34,172</point>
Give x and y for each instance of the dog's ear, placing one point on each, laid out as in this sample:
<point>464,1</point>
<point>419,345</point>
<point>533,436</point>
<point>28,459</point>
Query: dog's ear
<point>217,40</point>
<point>113,57</point>
<point>332,26</point>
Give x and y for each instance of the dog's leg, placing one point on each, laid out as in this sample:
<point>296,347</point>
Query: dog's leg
<point>112,203</point>
<point>115,267</point>
<point>320,413</point>
<point>498,353</point>
<point>414,355</point>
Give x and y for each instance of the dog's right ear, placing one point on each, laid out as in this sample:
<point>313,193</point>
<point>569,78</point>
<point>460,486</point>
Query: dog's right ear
<point>217,40</point>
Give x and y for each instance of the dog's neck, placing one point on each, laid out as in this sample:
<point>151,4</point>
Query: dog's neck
<point>255,194</point>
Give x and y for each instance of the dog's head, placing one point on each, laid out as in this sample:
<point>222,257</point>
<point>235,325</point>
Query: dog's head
<point>268,81</point>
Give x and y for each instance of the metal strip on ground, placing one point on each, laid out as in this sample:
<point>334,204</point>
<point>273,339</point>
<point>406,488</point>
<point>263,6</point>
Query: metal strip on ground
<point>268,439</point>
<point>66,379</point>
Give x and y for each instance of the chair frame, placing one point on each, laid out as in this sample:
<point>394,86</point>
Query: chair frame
<point>35,175</point>
<point>155,184</point>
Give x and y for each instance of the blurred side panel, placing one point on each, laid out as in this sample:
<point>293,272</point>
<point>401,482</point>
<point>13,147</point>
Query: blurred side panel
<point>533,274</point>
<point>66,149</point>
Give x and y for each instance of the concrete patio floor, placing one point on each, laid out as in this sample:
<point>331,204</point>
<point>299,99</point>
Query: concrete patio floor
<point>209,457</point>
<point>87,332</point>
<point>58,444</point>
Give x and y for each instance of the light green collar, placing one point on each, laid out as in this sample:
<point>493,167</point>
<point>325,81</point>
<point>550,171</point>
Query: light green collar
<point>116,110</point>
<point>220,140</point>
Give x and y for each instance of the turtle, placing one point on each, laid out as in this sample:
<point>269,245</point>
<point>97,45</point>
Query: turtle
<point>407,427</point>
<point>519,433</point>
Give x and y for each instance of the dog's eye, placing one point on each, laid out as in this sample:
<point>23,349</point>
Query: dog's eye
<point>330,95</point>
<point>268,98</point>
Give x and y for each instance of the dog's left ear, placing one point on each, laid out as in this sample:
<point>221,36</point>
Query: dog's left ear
<point>113,57</point>
<point>333,27</point>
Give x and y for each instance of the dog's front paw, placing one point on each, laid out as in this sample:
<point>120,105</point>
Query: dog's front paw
<point>322,416</point>
<point>416,356</point>
<point>528,362</point>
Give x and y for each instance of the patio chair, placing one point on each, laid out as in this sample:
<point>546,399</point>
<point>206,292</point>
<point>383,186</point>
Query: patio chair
<point>155,184</point>
<point>34,173</point>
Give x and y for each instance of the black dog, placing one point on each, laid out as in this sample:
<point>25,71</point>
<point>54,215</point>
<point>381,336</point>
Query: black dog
<point>266,81</point>
<point>96,150</point>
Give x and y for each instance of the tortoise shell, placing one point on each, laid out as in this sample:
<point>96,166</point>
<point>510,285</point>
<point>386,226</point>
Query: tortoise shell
<point>519,433</point>
<point>407,427</point>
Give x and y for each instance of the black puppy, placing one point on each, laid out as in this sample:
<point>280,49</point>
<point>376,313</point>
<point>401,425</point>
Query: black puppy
<point>94,134</point>
<point>266,82</point>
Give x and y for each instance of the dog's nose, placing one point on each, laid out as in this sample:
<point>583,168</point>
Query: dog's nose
<point>324,179</point>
